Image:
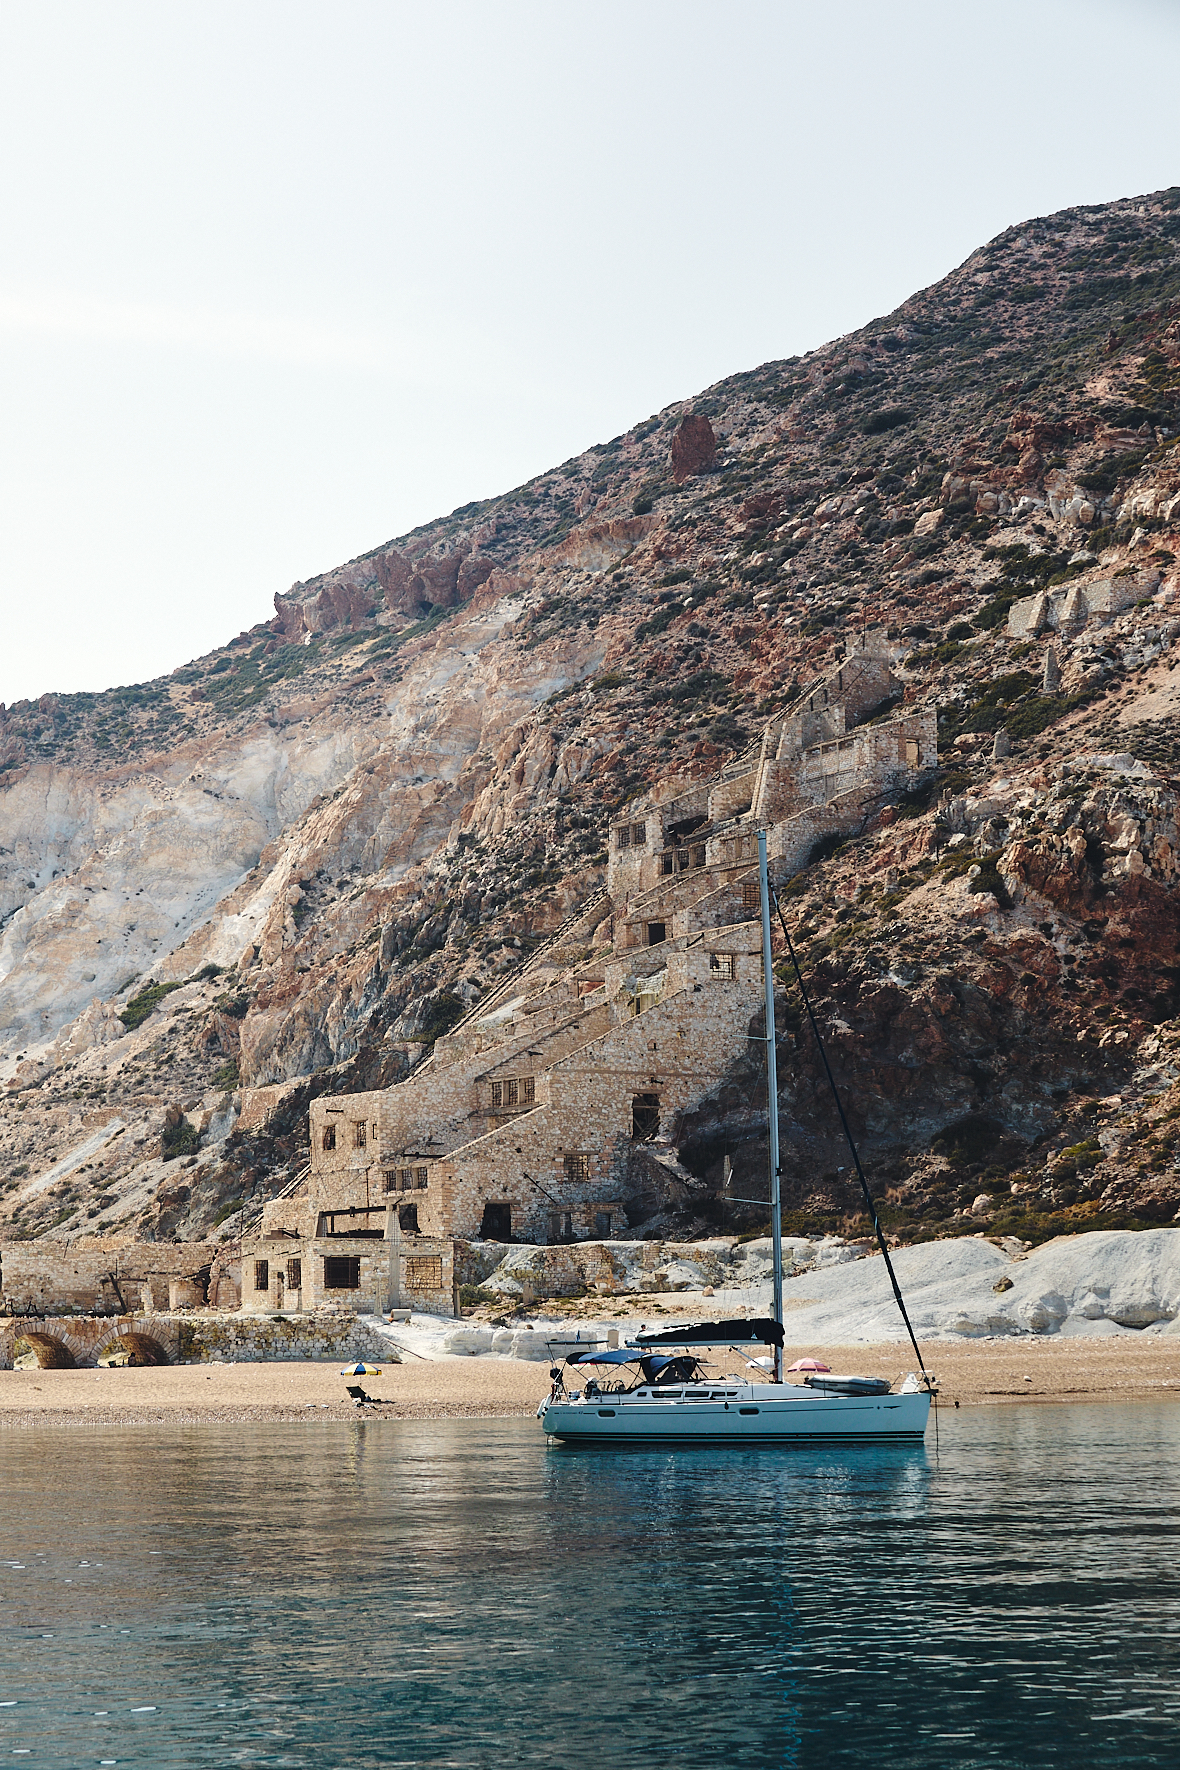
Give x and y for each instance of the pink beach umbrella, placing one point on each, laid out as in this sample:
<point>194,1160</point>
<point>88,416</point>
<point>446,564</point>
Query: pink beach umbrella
<point>808,1364</point>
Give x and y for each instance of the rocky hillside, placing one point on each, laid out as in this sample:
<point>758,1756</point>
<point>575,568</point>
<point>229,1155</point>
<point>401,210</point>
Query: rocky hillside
<point>302,857</point>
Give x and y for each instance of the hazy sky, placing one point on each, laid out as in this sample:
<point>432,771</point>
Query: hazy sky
<point>280,280</point>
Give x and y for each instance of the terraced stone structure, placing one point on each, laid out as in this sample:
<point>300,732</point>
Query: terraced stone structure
<point>551,1113</point>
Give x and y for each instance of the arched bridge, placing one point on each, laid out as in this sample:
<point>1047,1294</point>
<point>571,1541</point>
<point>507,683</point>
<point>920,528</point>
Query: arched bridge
<point>66,1342</point>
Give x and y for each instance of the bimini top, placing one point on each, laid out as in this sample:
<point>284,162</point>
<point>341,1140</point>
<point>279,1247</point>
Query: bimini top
<point>616,1355</point>
<point>718,1333</point>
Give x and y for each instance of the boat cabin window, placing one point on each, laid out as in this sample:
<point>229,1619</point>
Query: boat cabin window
<point>669,1394</point>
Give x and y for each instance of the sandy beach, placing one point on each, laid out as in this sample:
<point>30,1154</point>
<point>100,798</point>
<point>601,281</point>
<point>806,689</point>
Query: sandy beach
<point>970,1374</point>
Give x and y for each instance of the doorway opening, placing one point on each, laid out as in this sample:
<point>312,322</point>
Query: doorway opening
<point>497,1223</point>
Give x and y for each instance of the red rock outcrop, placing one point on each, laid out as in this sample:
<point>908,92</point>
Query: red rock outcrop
<point>694,447</point>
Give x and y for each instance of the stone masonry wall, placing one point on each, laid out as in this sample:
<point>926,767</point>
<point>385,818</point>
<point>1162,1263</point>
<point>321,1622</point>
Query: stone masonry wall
<point>51,1276</point>
<point>673,1051</point>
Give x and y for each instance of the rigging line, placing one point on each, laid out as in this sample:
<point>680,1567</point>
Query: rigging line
<point>860,1173</point>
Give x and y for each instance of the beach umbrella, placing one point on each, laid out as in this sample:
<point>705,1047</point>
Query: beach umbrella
<point>808,1364</point>
<point>361,1370</point>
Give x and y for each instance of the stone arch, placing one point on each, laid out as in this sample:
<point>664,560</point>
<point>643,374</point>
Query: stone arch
<point>150,1340</point>
<point>52,1351</point>
<point>140,1348</point>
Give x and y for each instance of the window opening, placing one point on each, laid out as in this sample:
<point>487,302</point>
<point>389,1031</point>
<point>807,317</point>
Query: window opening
<point>262,1275</point>
<point>328,1140</point>
<point>420,1176</point>
<point>656,932</point>
<point>749,894</point>
<point>360,1134</point>
<point>645,1117</point>
<point>497,1093</point>
<point>529,1087</point>
<point>602,1220</point>
<point>720,965</point>
<point>511,1093</point>
<point>294,1275</point>
<point>342,1272</point>
<point>407,1218</point>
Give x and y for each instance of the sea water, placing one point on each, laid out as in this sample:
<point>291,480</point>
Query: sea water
<point>386,1592</point>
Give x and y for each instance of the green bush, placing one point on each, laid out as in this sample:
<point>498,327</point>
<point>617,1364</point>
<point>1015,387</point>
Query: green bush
<point>968,1141</point>
<point>988,879</point>
<point>1038,714</point>
<point>445,1011</point>
<point>179,1139</point>
<point>891,418</point>
<point>471,1295</point>
<point>659,622</point>
<point>141,1005</point>
<point>236,1007</point>
<point>226,1077</point>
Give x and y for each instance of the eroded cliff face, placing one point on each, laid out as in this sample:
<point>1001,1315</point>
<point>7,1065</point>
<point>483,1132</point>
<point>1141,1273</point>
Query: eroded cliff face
<point>291,864</point>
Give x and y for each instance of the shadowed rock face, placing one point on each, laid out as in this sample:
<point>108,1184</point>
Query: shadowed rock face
<point>375,805</point>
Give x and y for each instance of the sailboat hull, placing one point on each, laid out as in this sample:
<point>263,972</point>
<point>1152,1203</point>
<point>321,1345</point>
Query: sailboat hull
<point>763,1414</point>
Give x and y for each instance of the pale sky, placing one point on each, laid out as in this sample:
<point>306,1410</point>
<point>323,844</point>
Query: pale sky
<point>281,279</point>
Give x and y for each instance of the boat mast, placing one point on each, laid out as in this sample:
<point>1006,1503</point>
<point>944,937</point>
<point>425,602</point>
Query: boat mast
<point>776,1222</point>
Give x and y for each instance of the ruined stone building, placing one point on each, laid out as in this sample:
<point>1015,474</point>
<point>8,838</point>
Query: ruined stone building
<point>551,1112</point>
<point>1073,604</point>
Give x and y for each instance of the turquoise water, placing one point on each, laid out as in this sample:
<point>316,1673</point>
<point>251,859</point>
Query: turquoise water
<point>454,1593</point>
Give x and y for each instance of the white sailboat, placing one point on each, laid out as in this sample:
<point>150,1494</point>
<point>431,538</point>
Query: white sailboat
<point>661,1393</point>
